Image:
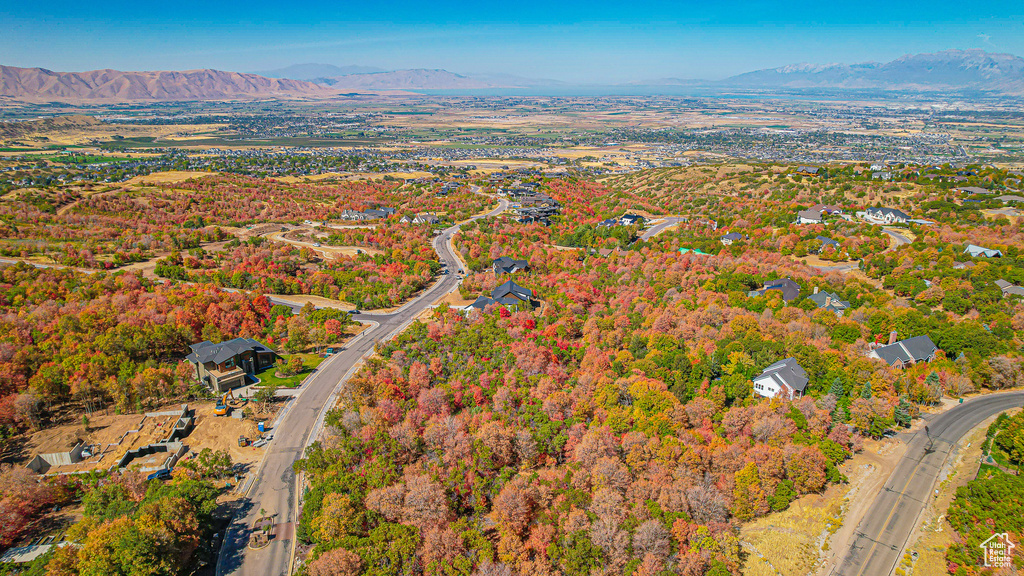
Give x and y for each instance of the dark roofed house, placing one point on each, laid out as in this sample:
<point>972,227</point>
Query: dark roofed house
<point>731,237</point>
<point>631,219</point>
<point>511,293</point>
<point>825,241</point>
<point>786,378</point>
<point>905,352</point>
<point>809,170</point>
<point>506,265</point>
<point>829,301</point>
<point>790,289</point>
<point>224,365</point>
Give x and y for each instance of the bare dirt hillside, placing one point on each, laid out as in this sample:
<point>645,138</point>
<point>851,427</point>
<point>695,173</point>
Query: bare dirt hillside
<point>40,84</point>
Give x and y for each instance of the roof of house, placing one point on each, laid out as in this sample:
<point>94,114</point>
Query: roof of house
<point>825,240</point>
<point>974,250</point>
<point>974,190</point>
<point>733,236</point>
<point>808,169</point>
<point>834,303</point>
<point>790,289</point>
<point>917,349</point>
<point>1009,288</point>
<point>809,215</point>
<point>207,351</point>
<point>826,208</point>
<point>888,211</point>
<point>511,289</point>
<point>788,373</point>
<point>1010,198</point>
<point>506,265</point>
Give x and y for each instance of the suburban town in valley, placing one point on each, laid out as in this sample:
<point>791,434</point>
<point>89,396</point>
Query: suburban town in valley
<point>621,306</point>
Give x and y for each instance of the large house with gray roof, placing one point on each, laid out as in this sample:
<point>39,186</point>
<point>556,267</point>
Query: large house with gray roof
<point>506,265</point>
<point>789,289</point>
<point>225,365</point>
<point>509,295</point>
<point>829,301</point>
<point>905,352</point>
<point>785,378</point>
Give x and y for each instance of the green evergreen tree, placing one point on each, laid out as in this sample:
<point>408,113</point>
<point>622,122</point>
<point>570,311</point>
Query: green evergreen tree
<point>866,391</point>
<point>902,412</point>
<point>837,389</point>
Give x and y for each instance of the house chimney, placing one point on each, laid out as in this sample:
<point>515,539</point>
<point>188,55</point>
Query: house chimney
<point>828,300</point>
<point>815,289</point>
<point>892,337</point>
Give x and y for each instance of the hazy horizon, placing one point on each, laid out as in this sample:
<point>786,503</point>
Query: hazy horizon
<point>571,42</point>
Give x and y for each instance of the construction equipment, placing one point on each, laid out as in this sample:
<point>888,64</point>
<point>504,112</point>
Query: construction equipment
<point>243,441</point>
<point>227,403</point>
<point>221,409</point>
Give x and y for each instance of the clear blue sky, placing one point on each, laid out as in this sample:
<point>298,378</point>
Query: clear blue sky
<point>577,41</point>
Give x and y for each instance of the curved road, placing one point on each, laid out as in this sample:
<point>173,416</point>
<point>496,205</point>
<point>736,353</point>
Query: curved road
<point>273,487</point>
<point>666,223</point>
<point>899,238</point>
<point>886,526</point>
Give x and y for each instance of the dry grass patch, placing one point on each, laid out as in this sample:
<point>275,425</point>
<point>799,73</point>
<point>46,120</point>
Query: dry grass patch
<point>169,177</point>
<point>789,543</point>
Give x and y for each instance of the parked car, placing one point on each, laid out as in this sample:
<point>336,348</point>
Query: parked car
<point>164,474</point>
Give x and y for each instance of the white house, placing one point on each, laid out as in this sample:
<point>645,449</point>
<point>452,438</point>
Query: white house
<point>885,216</point>
<point>980,251</point>
<point>784,378</point>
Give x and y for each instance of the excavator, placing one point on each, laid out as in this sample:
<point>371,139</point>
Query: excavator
<point>228,402</point>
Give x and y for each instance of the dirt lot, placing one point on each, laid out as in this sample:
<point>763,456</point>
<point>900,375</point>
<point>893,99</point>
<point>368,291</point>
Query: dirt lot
<point>222,432</point>
<point>113,435</point>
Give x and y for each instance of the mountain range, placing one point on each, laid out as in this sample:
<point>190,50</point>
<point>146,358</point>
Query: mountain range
<point>951,70</point>
<point>40,84</point>
<point>316,71</point>
<point>948,70</point>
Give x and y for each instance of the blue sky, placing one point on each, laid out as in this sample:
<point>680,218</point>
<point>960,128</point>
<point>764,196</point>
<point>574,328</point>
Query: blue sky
<point>574,41</point>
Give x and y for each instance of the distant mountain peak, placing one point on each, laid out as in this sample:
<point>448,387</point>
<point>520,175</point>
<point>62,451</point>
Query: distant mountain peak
<point>312,71</point>
<point>947,70</point>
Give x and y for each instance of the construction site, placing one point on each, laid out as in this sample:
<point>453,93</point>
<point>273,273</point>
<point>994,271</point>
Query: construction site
<point>151,441</point>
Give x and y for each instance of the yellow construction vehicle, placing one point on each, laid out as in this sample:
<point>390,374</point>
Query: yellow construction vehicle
<point>227,403</point>
<point>221,409</point>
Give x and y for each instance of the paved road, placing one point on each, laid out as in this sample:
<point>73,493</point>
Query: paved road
<point>660,227</point>
<point>883,532</point>
<point>899,238</point>
<point>274,485</point>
